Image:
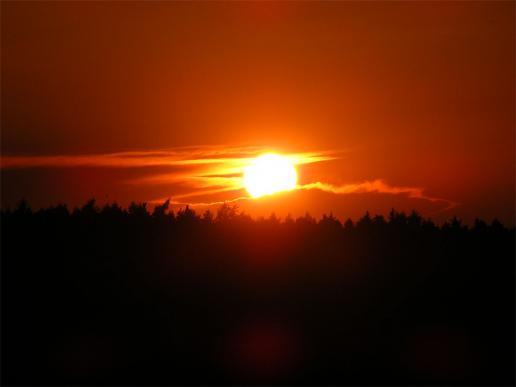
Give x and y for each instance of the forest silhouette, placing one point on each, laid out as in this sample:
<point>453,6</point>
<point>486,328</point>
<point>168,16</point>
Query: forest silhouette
<point>114,296</point>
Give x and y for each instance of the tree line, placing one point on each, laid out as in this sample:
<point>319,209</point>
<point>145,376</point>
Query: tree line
<point>230,213</point>
<point>105,295</point>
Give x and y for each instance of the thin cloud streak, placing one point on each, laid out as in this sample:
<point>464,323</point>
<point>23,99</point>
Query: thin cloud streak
<point>208,170</point>
<point>200,204</point>
<point>377,186</point>
<point>199,170</point>
<point>236,156</point>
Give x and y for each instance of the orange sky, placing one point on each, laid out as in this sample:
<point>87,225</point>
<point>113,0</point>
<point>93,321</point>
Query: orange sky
<point>406,97</point>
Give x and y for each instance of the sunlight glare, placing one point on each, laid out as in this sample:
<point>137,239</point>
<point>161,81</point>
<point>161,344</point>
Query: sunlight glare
<point>270,173</point>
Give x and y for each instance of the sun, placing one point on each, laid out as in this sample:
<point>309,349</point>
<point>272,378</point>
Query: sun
<point>270,173</point>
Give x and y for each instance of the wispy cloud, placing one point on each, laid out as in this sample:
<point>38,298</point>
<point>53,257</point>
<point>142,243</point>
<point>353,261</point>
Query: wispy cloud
<point>199,170</point>
<point>188,156</point>
<point>204,171</point>
<point>375,186</point>
<point>378,186</point>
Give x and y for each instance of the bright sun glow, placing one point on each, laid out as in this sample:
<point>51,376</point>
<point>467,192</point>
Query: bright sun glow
<point>270,173</point>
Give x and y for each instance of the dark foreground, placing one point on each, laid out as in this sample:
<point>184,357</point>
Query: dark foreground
<point>115,297</point>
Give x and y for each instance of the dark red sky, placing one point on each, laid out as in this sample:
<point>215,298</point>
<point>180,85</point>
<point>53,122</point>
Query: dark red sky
<point>419,94</point>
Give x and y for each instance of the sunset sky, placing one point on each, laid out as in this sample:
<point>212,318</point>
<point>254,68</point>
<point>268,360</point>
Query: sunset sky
<point>406,105</point>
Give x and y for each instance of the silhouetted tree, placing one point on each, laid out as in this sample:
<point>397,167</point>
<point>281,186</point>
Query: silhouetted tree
<point>161,210</point>
<point>348,225</point>
<point>207,217</point>
<point>187,216</point>
<point>226,213</point>
<point>23,208</point>
<point>117,296</point>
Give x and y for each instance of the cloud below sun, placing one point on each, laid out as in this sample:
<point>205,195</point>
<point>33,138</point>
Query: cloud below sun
<point>206,176</point>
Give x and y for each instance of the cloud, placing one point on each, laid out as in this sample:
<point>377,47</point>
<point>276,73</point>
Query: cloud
<point>205,175</point>
<point>186,156</point>
<point>374,187</point>
<point>193,171</point>
<point>378,186</point>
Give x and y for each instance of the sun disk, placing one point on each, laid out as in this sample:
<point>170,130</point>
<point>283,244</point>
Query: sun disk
<point>270,173</point>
